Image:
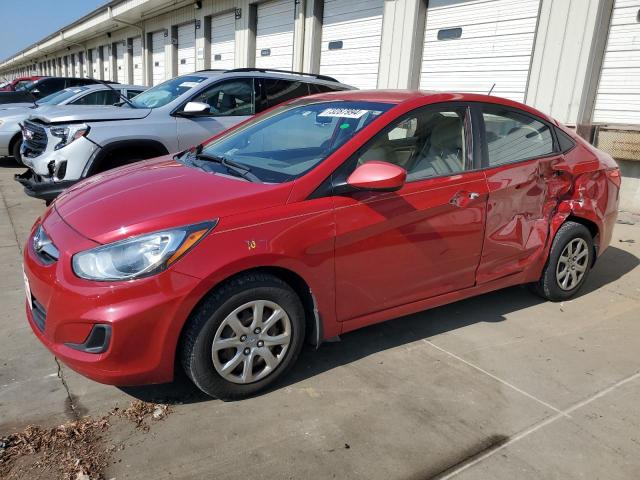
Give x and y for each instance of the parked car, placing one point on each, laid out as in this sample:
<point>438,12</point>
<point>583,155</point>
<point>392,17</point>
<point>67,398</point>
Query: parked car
<point>324,215</point>
<point>99,94</point>
<point>16,83</point>
<point>66,145</point>
<point>31,91</point>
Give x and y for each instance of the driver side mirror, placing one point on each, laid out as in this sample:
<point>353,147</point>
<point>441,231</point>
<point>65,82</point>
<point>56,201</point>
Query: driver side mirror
<point>195,109</point>
<point>378,176</point>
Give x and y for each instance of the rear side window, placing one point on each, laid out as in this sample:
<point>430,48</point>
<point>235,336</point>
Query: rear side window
<point>276,91</point>
<point>565,142</point>
<point>321,88</point>
<point>513,137</point>
<point>133,93</point>
<point>48,86</point>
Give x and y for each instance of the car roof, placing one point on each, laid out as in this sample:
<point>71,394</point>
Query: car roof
<point>398,97</point>
<point>270,73</point>
<point>102,86</point>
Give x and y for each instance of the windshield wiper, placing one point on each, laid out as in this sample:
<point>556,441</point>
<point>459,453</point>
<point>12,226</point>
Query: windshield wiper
<point>119,92</point>
<point>244,172</point>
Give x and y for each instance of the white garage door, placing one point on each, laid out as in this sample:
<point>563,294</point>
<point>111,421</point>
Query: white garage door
<point>186,48</point>
<point>76,64</point>
<point>223,41</point>
<point>351,37</point>
<point>274,34</point>
<point>470,45</point>
<point>106,63</point>
<point>618,99</point>
<point>121,69</point>
<point>95,63</point>
<point>136,60</point>
<point>157,57</point>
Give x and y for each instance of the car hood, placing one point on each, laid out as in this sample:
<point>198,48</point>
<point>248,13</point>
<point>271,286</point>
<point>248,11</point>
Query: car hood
<point>86,113</point>
<point>12,106</point>
<point>158,194</point>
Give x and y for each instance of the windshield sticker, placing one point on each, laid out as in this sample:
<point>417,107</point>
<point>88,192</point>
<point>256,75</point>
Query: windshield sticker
<point>343,113</point>
<point>188,84</point>
<point>344,125</point>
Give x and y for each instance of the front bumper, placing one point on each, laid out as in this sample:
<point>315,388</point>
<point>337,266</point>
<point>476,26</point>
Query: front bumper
<point>35,186</point>
<point>144,316</point>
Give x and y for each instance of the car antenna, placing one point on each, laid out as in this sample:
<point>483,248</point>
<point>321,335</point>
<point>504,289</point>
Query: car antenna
<point>491,90</point>
<point>119,92</point>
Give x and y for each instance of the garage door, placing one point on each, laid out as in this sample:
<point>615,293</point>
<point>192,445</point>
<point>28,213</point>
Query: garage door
<point>186,48</point>
<point>274,34</point>
<point>106,63</point>
<point>136,61</point>
<point>75,64</point>
<point>618,98</point>
<point>351,37</point>
<point>121,69</point>
<point>157,57</point>
<point>470,45</point>
<point>223,41</point>
<point>95,63</point>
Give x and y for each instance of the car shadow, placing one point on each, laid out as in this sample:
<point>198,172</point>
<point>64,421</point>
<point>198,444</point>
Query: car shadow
<point>491,307</point>
<point>9,162</point>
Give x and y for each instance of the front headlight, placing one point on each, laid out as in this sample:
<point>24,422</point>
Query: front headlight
<point>68,134</point>
<point>139,256</point>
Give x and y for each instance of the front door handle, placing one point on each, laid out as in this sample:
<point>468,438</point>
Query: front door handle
<point>462,198</point>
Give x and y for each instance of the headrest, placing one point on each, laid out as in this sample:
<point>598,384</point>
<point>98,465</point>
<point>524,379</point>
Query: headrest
<point>447,134</point>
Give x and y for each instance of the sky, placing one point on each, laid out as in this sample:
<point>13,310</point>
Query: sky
<point>25,22</point>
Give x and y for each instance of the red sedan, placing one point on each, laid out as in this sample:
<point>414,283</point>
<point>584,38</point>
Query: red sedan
<point>324,215</point>
<point>16,83</point>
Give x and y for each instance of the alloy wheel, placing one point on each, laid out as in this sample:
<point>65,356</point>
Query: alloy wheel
<point>572,264</point>
<point>251,341</point>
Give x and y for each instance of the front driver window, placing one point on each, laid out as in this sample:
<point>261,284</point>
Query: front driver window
<point>427,143</point>
<point>229,98</point>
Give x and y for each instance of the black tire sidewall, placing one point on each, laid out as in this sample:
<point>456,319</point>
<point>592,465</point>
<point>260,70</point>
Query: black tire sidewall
<point>206,321</point>
<point>548,283</point>
<point>15,151</point>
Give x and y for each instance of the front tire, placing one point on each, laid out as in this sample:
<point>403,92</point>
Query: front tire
<point>243,337</point>
<point>570,260</point>
<point>15,151</point>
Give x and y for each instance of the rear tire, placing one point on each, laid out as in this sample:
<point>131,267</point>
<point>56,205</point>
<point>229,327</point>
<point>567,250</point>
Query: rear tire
<point>15,150</point>
<point>569,263</point>
<point>223,349</point>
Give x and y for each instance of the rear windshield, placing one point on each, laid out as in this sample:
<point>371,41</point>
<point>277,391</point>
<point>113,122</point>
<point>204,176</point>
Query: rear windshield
<point>58,97</point>
<point>23,85</point>
<point>166,92</point>
<point>293,139</point>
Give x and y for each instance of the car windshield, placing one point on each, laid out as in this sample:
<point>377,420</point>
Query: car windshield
<point>166,92</point>
<point>292,139</point>
<point>58,97</point>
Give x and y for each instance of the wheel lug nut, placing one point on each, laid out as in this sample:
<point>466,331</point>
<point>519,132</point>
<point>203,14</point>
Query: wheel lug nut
<point>247,351</point>
<point>257,330</point>
<point>260,343</point>
<point>243,338</point>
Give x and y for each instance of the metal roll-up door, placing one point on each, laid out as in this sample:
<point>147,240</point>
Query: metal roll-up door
<point>95,63</point>
<point>157,58</point>
<point>223,41</point>
<point>186,48</point>
<point>121,68</point>
<point>618,97</point>
<point>274,34</point>
<point>106,63</point>
<point>470,45</point>
<point>74,66</point>
<point>351,37</point>
<point>136,61</point>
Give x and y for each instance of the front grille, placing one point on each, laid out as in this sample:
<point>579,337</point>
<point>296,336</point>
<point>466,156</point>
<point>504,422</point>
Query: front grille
<point>39,314</point>
<point>34,138</point>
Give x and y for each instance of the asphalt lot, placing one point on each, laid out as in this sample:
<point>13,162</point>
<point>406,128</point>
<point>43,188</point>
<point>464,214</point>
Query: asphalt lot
<point>501,386</point>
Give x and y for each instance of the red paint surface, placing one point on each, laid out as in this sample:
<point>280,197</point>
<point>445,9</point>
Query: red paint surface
<point>12,85</point>
<point>366,256</point>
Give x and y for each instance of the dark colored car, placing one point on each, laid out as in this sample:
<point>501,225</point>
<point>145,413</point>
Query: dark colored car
<point>41,87</point>
<point>310,220</point>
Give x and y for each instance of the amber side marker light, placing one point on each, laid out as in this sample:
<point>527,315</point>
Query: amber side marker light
<point>191,240</point>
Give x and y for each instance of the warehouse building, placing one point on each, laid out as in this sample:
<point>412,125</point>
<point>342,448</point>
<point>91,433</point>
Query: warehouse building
<point>576,60</point>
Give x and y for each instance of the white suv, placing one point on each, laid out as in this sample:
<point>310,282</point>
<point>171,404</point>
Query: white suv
<point>67,144</point>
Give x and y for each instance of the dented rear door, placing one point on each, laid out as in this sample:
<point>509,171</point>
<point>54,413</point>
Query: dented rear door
<point>518,155</point>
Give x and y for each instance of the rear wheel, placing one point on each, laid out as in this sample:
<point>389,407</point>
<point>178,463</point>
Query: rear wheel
<point>15,150</point>
<point>569,263</point>
<point>243,337</point>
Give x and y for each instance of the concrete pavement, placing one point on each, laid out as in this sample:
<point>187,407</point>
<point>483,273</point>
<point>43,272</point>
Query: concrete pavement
<point>500,386</point>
